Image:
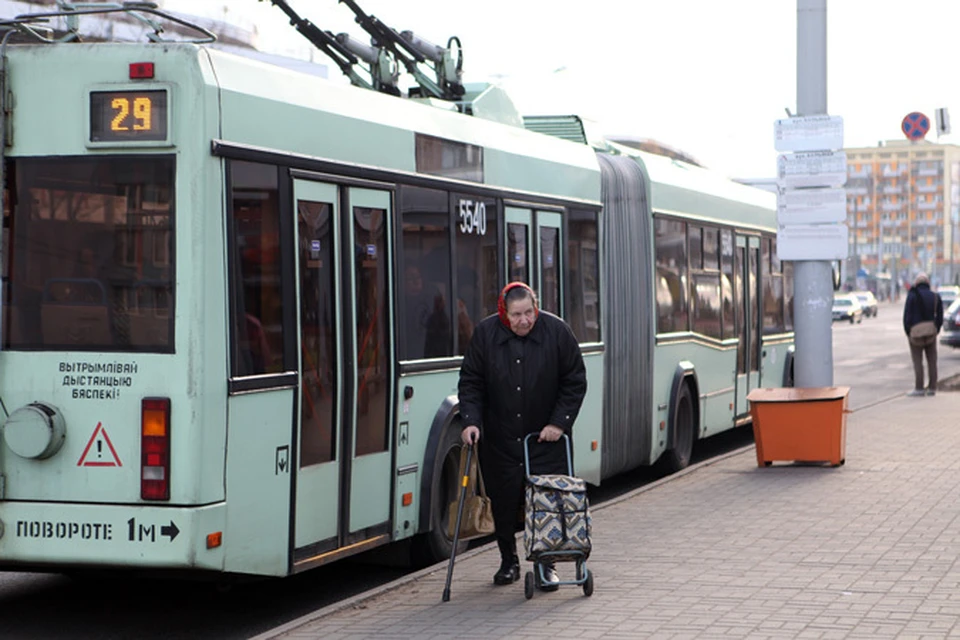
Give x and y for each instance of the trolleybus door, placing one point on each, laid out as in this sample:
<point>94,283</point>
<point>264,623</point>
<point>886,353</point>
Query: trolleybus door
<point>534,253</point>
<point>344,445</point>
<point>746,270</point>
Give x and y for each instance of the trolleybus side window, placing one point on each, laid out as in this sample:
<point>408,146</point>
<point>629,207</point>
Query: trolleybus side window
<point>773,320</point>
<point>726,283</point>
<point>478,257</point>
<point>670,249</point>
<point>449,158</point>
<point>787,295</point>
<point>371,291</point>
<point>518,248</point>
<point>257,337</point>
<point>90,264</point>
<point>318,325</point>
<point>426,328</point>
<point>705,302</point>
<point>550,269</point>
<point>583,292</point>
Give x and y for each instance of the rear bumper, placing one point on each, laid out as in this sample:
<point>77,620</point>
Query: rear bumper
<point>51,536</point>
<point>950,339</point>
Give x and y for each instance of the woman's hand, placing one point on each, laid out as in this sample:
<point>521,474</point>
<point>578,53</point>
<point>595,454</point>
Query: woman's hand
<point>550,433</point>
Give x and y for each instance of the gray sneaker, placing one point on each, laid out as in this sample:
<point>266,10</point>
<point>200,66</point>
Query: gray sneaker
<point>931,392</point>
<point>917,392</point>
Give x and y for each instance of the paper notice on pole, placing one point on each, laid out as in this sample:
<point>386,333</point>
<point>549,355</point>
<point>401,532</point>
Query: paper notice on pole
<point>811,206</point>
<point>812,169</point>
<point>812,242</point>
<point>808,133</point>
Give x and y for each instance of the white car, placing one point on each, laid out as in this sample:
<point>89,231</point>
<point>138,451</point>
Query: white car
<point>868,301</point>
<point>847,307</point>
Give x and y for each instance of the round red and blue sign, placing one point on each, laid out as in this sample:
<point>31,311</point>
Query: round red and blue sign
<point>915,125</point>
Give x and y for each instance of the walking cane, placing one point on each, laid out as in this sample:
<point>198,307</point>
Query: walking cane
<point>456,529</point>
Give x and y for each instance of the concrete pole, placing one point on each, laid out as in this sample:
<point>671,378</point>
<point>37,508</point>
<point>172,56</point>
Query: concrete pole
<point>813,279</point>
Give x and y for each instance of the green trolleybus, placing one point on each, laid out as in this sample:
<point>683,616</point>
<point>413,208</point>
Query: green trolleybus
<point>235,299</point>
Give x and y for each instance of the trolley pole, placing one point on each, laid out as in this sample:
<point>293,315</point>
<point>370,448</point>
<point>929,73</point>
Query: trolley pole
<point>813,281</point>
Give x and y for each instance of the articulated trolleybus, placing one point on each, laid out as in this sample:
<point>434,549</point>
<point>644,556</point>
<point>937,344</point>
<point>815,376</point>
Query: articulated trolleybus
<point>235,299</point>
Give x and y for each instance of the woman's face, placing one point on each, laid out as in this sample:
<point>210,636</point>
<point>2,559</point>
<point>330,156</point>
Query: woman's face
<point>522,315</point>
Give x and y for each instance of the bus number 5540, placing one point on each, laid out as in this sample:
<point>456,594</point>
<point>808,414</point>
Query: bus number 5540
<point>473,217</point>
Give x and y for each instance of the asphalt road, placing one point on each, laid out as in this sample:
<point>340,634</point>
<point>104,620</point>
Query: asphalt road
<point>872,358</point>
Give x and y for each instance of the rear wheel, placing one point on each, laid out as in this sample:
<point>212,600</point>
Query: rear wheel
<point>678,457</point>
<point>434,545</point>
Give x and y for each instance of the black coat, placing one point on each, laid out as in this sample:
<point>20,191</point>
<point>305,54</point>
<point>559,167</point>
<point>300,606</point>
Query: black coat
<point>922,304</point>
<point>511,386</point>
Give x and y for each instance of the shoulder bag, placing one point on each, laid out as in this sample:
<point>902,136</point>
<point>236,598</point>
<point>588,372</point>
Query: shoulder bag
<point>477,520</point>
<point>923,333</point>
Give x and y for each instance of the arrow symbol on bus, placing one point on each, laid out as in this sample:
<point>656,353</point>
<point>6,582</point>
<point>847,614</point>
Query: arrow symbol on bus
<point>171,531</point>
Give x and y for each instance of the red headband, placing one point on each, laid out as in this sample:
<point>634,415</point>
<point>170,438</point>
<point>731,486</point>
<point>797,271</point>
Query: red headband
<point>502,301</point>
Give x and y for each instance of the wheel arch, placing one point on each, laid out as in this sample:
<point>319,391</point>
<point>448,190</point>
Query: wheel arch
<point>447,414</point>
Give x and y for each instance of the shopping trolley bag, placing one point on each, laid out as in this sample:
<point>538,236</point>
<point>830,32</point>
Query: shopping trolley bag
<point>556,524</point>
<point>557,517</point>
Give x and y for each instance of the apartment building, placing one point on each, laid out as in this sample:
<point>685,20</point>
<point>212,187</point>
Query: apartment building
<point>903,200</point>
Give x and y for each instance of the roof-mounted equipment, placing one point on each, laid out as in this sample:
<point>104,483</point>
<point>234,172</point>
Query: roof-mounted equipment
<point>413,51</point>
<point>326,42</point>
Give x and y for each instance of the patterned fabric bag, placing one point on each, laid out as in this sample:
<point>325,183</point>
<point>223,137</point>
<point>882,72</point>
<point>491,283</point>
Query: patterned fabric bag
<point>557,517</point>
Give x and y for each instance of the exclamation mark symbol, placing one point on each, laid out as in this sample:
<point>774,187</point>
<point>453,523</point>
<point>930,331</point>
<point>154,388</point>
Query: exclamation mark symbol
<point>99,448</point>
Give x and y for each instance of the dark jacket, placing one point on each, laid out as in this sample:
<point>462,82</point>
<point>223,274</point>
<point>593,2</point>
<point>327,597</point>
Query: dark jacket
<point>511,386</point>
<point>922,305</point>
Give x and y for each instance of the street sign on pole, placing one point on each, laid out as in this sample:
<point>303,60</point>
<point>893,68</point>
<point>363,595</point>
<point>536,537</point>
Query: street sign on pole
<point>812,242</point>
<point>812,169</point>
<point>811,206</point>
<point>808,133</point>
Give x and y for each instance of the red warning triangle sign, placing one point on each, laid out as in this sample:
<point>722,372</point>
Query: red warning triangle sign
<point>99,454</point>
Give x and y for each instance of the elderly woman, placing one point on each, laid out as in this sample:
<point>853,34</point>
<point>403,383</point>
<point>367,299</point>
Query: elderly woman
<point>523,373</point>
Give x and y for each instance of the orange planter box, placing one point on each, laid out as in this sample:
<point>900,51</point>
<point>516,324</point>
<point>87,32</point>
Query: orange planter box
<point>803,425</point>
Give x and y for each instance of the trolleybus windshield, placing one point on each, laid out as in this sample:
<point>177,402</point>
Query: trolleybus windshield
<point>89,254</point>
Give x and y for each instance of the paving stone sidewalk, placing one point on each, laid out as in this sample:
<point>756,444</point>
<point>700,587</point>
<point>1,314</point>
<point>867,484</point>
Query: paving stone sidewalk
<point>867,550</point>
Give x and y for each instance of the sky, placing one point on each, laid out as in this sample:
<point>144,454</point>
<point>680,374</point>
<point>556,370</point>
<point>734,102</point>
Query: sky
<point>708,77</point>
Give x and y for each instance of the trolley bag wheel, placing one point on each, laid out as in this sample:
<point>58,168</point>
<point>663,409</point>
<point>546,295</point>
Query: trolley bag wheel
<point>528,585</point>
<point>588,584</point>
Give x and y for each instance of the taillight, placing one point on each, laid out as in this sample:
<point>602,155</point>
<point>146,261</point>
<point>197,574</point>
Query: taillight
<point>155,449</point>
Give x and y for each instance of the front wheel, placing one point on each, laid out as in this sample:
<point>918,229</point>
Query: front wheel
<point>435,545</point>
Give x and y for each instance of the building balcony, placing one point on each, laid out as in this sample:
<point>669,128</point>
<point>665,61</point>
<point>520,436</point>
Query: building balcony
<point>928,188</point>
<point>927,172</point>
<point>892,190</point>
<point>929,206</point>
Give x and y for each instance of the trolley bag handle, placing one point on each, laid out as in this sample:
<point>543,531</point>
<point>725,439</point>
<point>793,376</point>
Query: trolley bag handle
<point>526,453</point>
